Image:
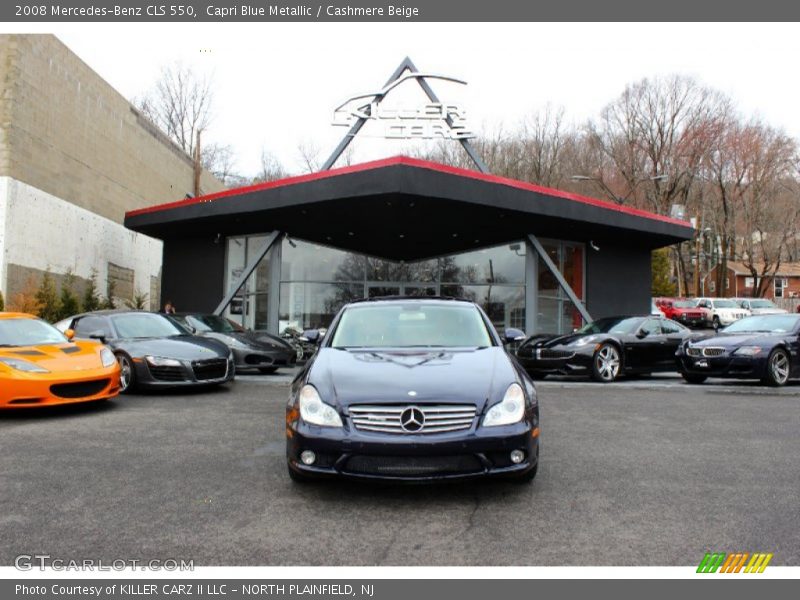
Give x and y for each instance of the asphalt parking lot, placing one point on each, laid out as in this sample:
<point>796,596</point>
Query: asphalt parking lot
<point>646,472</point>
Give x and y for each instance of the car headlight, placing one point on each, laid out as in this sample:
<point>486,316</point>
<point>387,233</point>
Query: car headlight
<point>584,340</point>
<point>509,410</point>
<point>107,357</point>
<point>748,351</point>
<point>314,411</point>
<point>23,365</point>
<point>160,361</point>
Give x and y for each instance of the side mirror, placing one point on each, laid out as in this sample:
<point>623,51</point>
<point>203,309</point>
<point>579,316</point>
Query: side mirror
<point>511,335</point>
<point>98,335</point>
<point>70,334</point>
<point>311,335</point>
<point>642,333</point>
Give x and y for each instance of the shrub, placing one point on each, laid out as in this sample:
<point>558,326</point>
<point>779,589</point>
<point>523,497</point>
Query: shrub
<point>661,282</point>
<point>25,301</point>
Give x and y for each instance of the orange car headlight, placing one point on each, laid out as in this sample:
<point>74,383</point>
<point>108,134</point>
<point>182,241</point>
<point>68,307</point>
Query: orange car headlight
<point>107,356</point>
<point>23,365</point>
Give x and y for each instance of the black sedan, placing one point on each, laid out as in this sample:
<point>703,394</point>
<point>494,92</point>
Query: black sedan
<point>412,389</point>
<point>251,349</point>
<point>153,350</point>
<point>606,349</point>
<point>765,347</point>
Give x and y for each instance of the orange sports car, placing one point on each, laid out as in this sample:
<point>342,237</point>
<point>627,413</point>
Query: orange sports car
<point>40,366</point>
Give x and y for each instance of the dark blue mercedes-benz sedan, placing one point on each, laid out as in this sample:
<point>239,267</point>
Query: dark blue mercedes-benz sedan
<point>413,389</point>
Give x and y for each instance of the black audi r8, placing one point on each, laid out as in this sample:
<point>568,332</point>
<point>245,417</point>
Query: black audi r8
<point>412,389</point>
<point>606,349</point>
<point>765,347</point>
<point>251,349</point>
<point>153,350</point>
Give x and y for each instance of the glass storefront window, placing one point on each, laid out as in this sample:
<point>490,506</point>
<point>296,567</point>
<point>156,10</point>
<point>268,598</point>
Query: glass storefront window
<point>557,313</point>
<point>305,305</point>
<point>306,261</point>
<point>501,264</point>
<point>504,304</point>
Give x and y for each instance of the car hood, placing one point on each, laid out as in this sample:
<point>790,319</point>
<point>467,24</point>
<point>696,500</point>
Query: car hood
<point>387,376</point>
<point>182,347</point>
<point>564,340</point>
<point>732,340</point>
<point>254,339</point>
<point>59,357</point>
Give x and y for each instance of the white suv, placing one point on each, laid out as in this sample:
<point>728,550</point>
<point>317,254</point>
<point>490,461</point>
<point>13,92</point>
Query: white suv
<point>760,306</point>
<point>724,311</point>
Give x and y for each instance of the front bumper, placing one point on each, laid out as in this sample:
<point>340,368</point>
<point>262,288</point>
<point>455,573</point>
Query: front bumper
<point>186,375</point>
<point>573,362</point>
<point>345,452</point>
<point>26,390</point>
<point>725,366</point>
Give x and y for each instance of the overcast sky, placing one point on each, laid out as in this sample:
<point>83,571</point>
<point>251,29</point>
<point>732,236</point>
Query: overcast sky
<point>276,84</point>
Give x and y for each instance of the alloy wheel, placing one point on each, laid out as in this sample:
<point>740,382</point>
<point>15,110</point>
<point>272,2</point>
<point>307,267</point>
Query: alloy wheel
<point>779,367</point>
<point>125,373</point>
<point>607,363</point>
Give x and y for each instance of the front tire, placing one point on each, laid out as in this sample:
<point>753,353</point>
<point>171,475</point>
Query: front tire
<point>606,364</point>
<point>778,368</point>
<point>694,378</point>
<point>127,374</point>
<point>715,323</point>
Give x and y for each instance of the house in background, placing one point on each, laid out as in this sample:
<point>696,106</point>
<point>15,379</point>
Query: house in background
<point>739,282</point>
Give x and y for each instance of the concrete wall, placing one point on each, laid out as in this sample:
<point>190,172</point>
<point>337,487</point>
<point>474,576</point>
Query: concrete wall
<point>65,131</point>
<point>40,232</point>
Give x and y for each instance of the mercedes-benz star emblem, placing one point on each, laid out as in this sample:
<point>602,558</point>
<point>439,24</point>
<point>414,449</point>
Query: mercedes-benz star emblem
<point>412,419</point>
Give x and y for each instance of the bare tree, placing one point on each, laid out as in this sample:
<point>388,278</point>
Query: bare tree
<point>309,153</point>
<point>271,168</point>
<point>179,104</point>
<point>220,160</point>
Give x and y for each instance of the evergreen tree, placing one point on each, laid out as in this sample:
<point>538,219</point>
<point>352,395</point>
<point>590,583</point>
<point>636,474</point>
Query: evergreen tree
<point>91,300</point>
<point>69,301</point>
<point>661,282</point>
<point>2,302</point>
<point>47,297</point>
<point>109,303</point>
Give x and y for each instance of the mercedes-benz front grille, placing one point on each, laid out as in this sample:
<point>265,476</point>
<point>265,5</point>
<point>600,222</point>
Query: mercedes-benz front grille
<point>403,419</point>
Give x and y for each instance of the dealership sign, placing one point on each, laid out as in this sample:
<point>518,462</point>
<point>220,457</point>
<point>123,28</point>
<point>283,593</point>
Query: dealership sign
<point>432,120</point>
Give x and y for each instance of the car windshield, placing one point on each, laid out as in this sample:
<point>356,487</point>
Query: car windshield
<point>210,323</point>
<point>725,304</point>
<point>145,325</point>
<point>684,304</point>
<point>761,304</point>
<point>411,325</point>
<point>765,324</point>
<point>612,325</point>
<point>28,332</point>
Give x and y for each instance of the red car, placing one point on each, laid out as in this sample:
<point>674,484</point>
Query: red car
<point>685,312</point>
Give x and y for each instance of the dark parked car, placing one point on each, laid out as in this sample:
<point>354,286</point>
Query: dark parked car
<point>251,349</point>
<point>606,349</point>
<point>765,347</point>
<point>412,389</point>
<point>153,350</point>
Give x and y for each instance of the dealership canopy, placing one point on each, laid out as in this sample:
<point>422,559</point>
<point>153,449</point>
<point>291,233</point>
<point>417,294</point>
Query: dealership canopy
<point>407,209</point>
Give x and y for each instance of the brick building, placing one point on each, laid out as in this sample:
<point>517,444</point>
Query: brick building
<point>739,282</point>
<point>75,155</point>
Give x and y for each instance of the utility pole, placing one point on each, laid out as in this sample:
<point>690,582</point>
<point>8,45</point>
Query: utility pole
<point>697,235</point>
<point>198,169</point>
